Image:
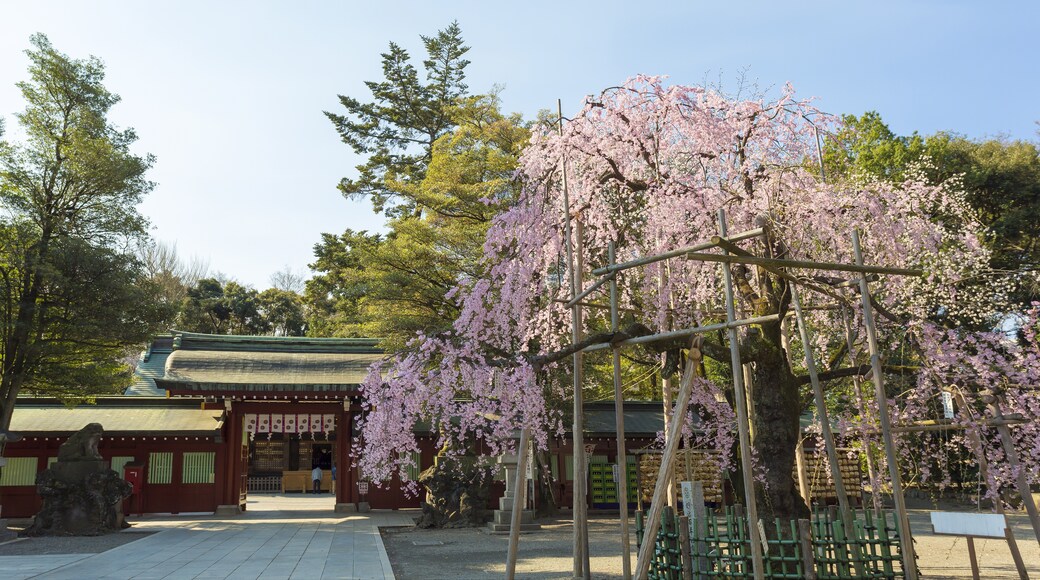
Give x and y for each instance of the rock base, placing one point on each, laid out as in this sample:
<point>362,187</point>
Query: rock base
<point>80,498</point>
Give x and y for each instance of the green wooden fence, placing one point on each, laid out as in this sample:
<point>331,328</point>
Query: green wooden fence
<point>820,548</point>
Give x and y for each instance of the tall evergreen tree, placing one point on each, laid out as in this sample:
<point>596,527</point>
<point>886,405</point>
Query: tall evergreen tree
<point>72,298</point>
<point>406,116</point>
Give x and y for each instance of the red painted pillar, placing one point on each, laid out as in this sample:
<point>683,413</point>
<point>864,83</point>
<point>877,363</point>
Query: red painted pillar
<point>350,480</point>
<point>342,457</point>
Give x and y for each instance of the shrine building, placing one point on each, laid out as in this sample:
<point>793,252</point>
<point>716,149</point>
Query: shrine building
<point>211,418</point>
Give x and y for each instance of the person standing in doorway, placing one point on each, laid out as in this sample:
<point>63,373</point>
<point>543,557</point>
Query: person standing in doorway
<point>316,476</point>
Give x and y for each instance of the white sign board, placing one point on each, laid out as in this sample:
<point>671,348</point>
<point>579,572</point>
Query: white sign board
<point>363,487</point>
<point>969,524</point>
<point>947,401</point>
<point>687,498</point>
<point>687,505</point>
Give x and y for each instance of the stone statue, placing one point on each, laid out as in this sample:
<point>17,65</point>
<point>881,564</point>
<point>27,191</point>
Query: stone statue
<point>81,495</point>
<point>82,445</point>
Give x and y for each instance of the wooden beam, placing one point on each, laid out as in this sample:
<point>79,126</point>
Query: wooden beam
<point>674,253</point>
<point>806,264</point>
<point>519,501</point>
<point>664,474</point>
<point>828,437</point>
<point>619,423</point>
<point>743,428</point>
<point>906,541</point>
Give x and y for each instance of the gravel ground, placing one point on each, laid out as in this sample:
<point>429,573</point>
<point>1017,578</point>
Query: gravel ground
<point>68,544</point>
<point>470,554</point>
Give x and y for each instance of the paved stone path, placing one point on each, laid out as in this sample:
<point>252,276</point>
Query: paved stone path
<point>279,537</point>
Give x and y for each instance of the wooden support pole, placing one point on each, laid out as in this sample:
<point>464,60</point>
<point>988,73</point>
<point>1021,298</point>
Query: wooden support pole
<point>1022,478</point>
<point>645,260</point>
<point>906,541</point>
<point>684,548</point>
<point>973,558</point>
<point>807,264</point>
<point>1020,565</point>
<point>825,427</point>
<point>700,526</point>
<point>742,417</point>
<point>857,384</point>
<point>619,421</point>
<point>803,476</point>
<point>808,555</point>
<point>578,437</point>
<point>574,262</point>
<point>519,501</point>
<point>657,504</point>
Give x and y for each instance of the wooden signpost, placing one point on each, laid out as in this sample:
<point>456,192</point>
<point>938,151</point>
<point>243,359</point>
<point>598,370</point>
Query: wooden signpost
<point>973,526</point>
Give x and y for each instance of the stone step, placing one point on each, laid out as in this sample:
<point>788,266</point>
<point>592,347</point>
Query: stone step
<point>503,529</point>
<point>501,517</point>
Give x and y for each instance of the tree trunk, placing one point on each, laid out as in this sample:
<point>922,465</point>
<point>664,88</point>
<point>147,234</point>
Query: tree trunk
<point>19,344</point>
<point>777,408</point>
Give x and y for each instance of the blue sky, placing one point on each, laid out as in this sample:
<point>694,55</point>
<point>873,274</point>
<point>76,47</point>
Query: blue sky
<point>229,95</point>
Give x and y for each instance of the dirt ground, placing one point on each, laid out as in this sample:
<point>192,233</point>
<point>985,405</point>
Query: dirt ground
<point>470,553</point>
<point>65,545</point>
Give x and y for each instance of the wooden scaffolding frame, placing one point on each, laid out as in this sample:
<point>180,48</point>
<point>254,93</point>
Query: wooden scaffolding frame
<point>730,254</point>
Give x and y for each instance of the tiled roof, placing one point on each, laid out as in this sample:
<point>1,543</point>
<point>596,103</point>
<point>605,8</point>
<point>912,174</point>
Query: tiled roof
<point>136,419</point>
<point>640,418</point>
<point>151,366</point>
<point>268,368</point>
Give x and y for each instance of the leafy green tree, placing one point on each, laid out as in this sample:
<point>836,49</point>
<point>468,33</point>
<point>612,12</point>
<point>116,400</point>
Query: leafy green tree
<point>398,127</point>
<point>216,308</point>
<point>283,311</point>
<point>1000,176</point>
<point>396,285</point>
<point>333,296</point>
<point>68,284</point>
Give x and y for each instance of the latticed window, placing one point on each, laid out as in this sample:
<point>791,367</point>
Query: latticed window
<point>18,471</point>
<point>198,467</point>
<point>120,461</point>
<point>160,467</point>
<point>416,468</point>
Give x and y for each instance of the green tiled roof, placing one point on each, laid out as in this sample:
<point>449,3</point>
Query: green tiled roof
<point>193,362</point>
<point>640,418</point>
<point>268,368</point>
<point>151,366</point>
<point>219,342</point>
<point>145,415</point>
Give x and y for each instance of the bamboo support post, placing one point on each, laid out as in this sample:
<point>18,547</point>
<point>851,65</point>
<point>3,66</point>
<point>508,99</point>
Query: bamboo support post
<point>619,420</point>
<point>742,415</point>
<point>905,537</point>
<point>519,501</point>
<point>657,504</point>
<point>825,427</point>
